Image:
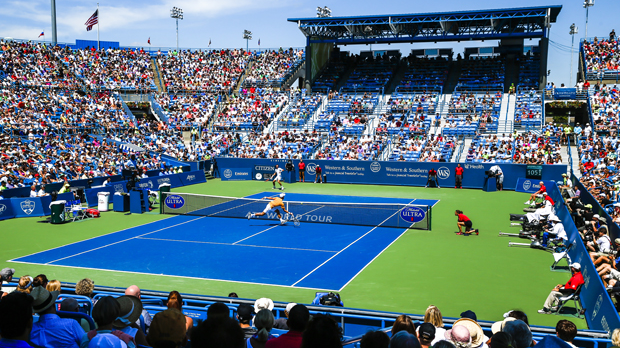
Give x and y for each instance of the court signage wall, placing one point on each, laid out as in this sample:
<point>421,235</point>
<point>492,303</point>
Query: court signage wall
<point>531,185</point>
<point>565,93</point>
<point>6,209</point>
<point>386,173</point>
<point>235,173</point>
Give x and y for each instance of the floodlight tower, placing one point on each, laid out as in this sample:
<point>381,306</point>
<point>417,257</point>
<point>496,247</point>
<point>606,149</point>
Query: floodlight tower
<point>587,4</point>
<point>323,12</point>
<point>247,35</point>
<point>573,30</point>
<point>177,14</point>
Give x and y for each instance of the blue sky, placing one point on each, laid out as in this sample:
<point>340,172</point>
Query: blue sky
<point>223,21</point>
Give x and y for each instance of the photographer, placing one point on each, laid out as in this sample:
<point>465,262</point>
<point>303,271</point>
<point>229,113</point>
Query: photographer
<point>608,263</point>
<point>496,172</point>
<point>602,245</point>
<point>591,227</point>
<point>556,231</point>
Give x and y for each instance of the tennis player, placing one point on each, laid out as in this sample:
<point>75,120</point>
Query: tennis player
<point>277,176</point>
<point>464,221</point>
<point>276,202</point>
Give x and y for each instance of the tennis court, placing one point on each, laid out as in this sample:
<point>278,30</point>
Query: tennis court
<point>324,256</point>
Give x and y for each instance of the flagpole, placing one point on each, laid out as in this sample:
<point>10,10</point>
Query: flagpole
<point>98,20</point>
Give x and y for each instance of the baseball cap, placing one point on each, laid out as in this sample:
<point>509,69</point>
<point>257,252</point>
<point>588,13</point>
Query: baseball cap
<point>575,265</point>
<point>596,216</point>
<point>427,332</point>
<point>105,341</point>
<point>282,195</point>
<point>245,311</point>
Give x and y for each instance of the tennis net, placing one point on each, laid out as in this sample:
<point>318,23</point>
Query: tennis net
<point>364,214</point>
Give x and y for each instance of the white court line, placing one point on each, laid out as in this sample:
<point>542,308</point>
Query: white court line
<point>171,275</point>
<point>345,248</point>
<point>103,235</point>
<point>255,234</point>
<point>124,240</point>
<point>247,245</point>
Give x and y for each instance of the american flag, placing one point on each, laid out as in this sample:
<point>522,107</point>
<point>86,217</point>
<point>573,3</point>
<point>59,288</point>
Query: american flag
<point>94,19</point>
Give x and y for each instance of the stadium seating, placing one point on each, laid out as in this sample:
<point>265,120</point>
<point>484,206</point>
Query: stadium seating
<point>302,108</point>
<point>370,76</point>
<point>528,110</point>
<point>601,59</point>
<point>272,68</point>
<point>481,74</point>
<point>252,109</point>
<point>424,75</point>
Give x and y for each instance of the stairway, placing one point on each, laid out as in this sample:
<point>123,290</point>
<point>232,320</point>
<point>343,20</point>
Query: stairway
<point>345,77</point>
<point>511,74</point>
<point>462,156</point>
<point>454,73</point>
<point>397,77</point>
<point>157,76</point>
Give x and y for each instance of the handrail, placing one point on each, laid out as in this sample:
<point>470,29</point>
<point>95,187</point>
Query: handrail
<point>359,338</point>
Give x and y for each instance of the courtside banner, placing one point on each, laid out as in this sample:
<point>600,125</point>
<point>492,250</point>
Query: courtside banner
<point>233,173</point>
<point>388,173</point>
<point>532,185</point>
<point>6,209</point>
<point>153,183</point>
<point>193,177</point>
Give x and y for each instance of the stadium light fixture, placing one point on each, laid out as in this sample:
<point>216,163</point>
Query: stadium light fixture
<point>177,14</point>
<point>573,30</point>
<point>247,35</point>
<point>323,12</point>
<point>587,4</point>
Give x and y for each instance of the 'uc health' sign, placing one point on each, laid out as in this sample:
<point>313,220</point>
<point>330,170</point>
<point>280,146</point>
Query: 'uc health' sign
<point>174,202</point>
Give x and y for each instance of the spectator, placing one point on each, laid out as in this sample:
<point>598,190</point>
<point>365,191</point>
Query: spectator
<point>566,331</point>
<point>105,311</point>
<point>15,320</point>
<point>168,330</point>
<point>53,285</point>
<point>403,323</point>
<point>264,323</point>
<point>502,340</point>
<point>134,290</point>
<point>280,323</point>
<point>433,316</point>
<point>24,284</point>
<point>520,332</point>
<point>175,300</point>
<point>615,338</point>
<point>130,310</point>
<point>468,319</point>
<point>233,294</point>
<point>40,280</point>
<point>51,331</point>
<point>403,339</point>
<point>218,311</point>
<point>375,339</point>
<point>71,305</point>
<point>322,332</point>
<point>245,313</point>
<point>459,336</point>
<point>297,321</point>
<point>218,333</point>
<point>85,287</point>
<point>426,335</point>
<point>6,275</point>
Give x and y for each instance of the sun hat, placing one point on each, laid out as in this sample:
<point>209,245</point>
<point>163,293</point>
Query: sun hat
<point>106,341</point>
<point>42,299</point>
<point>168,325</point>
<point>459,334</point>
<point>131,309</point>
<point>263,303</point>
<point>293,304</point>
<point>475,331</point>
<point>554,218</point>
<point>499,325</point>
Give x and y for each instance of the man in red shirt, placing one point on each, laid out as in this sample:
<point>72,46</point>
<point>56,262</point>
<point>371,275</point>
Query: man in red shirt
<point>298,318</point>
<point>302,171</point>
<point>570,287</point>
<point>539,192</point>
<point>548,198</point>
<point>459,176</point>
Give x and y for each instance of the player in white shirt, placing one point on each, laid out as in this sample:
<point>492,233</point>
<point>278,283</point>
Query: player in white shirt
<point>277,176</point>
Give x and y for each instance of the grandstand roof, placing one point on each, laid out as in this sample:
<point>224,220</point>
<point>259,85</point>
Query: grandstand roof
<point>527,22</point>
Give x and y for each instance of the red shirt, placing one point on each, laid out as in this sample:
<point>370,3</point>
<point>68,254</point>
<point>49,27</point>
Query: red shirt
<point>542,189</point>
<point>318,170</point>
<point>463,218</point>
<point>291,339</point>
<point>459,170</point>
<point>547,198</point>
<point>432,172</point>
<point>574,281</point>
<point>302,166</point>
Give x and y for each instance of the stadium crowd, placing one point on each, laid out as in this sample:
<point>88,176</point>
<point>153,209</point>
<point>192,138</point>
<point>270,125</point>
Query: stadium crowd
<point>271,67</point>
<point>601,54</point>
<point>123,321</point>
<point>605,108</point>
<point>286,145</point>
<point>253,108</point>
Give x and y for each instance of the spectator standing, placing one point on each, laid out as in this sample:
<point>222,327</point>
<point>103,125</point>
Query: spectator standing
<point>15,320</point>
<point>51,331</point>
<point>297,320</point>
<point>458,172</point>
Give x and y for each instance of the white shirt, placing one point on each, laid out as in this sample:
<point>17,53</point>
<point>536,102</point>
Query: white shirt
<point>558,231</point>
<point>41,193</point>
<point>279,171</point>
<point>604,244</point>
<point>33,193</point>
<point>496,169</point>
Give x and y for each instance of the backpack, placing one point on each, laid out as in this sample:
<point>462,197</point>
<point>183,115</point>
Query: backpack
<point>331,299</point>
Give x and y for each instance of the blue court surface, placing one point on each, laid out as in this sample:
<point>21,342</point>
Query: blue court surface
<point>255,251</point>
